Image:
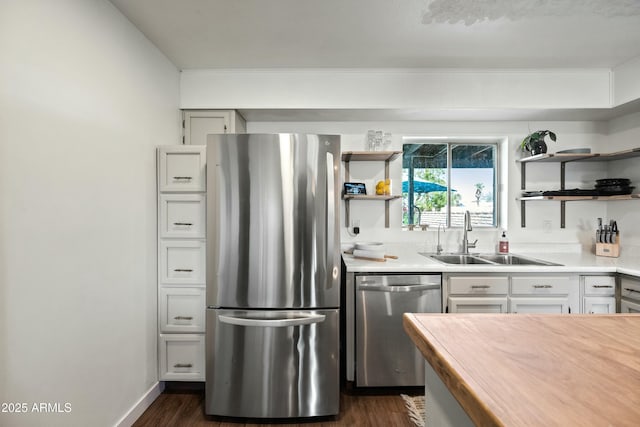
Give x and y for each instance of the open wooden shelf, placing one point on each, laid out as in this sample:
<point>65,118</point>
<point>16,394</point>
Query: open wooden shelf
<point>577,157</point>
<point>369,197</point>
<point>369,156</point>
<point>563,159</point>
<point>577,198</point>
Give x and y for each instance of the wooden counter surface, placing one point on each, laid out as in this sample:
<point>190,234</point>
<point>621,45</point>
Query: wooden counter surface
<point>536,370</point>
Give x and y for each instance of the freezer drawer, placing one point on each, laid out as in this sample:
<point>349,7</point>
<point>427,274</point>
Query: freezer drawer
<point>385,355</point>
<point>272,364</point>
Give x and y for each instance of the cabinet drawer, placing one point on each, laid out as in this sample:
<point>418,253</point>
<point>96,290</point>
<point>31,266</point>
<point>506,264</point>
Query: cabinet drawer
<point>182,215</point>
<point>479,285</point>
<point>182,262</point>
<point>182,168</point>
<point>182,309</point>
<point>599,285</point>
<point>542,285</point>
<point>182,357</point>
<point>630,288</point>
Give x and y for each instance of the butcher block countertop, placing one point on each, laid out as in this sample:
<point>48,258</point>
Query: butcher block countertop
<point>533,369</point>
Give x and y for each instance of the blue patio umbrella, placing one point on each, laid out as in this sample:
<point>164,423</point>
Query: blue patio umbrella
<point>420,186</point>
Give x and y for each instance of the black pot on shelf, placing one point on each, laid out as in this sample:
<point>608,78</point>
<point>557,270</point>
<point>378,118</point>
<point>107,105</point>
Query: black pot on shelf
<point>537,146</point>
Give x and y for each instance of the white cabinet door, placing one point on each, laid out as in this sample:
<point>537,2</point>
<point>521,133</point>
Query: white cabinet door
<point>182,309</point>
<point>599,305</point>
<point>182,216</point>
<point>477,305</point>
<point>182,168</point>
<point>200,123</point>
<point>629,307</point>
<point>181,357</point>
<point>558,305</point>
<point>182,262</point>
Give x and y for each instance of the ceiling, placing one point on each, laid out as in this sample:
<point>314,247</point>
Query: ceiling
<point>389,33</point>
<point>477,34</point>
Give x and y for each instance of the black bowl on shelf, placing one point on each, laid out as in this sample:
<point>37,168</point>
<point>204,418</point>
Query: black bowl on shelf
<point>615,190</point>
<point>606,182</point>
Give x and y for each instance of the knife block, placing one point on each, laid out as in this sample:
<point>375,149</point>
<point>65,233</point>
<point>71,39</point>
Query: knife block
<point>609,249</point>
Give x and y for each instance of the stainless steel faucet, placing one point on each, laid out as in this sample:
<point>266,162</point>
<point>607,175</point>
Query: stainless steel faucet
<point>467,227</point>
<point>439,246</point>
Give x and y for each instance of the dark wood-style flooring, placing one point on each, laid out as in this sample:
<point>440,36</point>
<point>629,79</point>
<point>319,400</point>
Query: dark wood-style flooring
<point>185,407</point>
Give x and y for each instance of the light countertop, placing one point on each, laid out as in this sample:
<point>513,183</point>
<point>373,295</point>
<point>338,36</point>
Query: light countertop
<point>526,369</point>
<point>410,260</point>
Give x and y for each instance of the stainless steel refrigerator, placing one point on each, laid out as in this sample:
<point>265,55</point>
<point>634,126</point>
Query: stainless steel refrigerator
<point>273,275</point>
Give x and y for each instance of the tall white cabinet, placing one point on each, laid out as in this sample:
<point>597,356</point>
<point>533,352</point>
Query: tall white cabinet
<point>181,262</point>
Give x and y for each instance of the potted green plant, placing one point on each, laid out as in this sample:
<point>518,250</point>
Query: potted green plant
<point>534,142</point>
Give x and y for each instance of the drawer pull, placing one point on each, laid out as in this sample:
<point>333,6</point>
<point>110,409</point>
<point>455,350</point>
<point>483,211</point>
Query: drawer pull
<point>542,286</point>
<point>631,290</point>
<point>183,223</point>
<point>182,270</point>
<point>183,365</point>
<point>183,178</point>
<point>480,286</point>
<point>183,318</point>
<point>602,286</point>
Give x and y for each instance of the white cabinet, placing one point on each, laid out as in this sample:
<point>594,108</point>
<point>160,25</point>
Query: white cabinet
<point>181,357</point>
<point>557,305</point>
<point>181,262</point>
<point>599,305</point>
<point>598,294</point>
<point>511,293</point>
<point>476,294</point>
<point>544,294</point>
<point>182,216</point>
<point>629,307</point>
<point>200,123</point>
<point>477,305</point>
<point>629,294</point>
<point>479,285</point>
<point>182,168</point>
<point>181,309</point>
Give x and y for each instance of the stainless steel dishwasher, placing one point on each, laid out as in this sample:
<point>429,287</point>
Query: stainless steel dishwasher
<point>385,355</point>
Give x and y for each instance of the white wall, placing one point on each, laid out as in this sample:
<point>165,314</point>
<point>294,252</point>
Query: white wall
<point>84,99</point>
<point>626,85</point>
<point>624,133</point>
<point>390,88</point>
<point>580,216</point>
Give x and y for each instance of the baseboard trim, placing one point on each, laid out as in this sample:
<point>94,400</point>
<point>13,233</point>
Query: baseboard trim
<point>141,405</point>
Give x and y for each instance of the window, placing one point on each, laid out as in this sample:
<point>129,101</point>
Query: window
<point>442,180</point>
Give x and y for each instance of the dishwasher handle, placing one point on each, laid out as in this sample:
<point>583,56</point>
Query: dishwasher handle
<point>398,288</point>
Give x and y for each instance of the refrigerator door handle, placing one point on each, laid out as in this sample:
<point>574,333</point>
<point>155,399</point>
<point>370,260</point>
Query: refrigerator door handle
<point>302,319</point>
<point>331,209</point>
<point>399,288</point>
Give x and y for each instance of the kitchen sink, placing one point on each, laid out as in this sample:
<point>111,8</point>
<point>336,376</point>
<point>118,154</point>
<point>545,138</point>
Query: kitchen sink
<point>509,259</point>
<point>486,259</point>
<point>458,259</point>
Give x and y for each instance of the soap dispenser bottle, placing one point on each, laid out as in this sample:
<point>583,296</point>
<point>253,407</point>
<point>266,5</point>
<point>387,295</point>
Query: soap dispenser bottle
<point>503,247</point>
